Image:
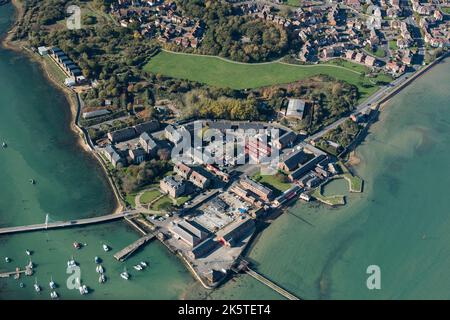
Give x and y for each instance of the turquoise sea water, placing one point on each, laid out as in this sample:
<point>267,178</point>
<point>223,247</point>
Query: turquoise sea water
<point>401,222</point>
<point>34,121</point>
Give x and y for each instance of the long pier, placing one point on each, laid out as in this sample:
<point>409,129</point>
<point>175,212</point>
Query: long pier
<point>12,273</point>
<point>66,224</point>
<point>271,284</point>
<point>123,254</point>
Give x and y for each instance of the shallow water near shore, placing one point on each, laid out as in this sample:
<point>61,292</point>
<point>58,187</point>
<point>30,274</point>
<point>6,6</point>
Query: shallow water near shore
<point>34,122</point>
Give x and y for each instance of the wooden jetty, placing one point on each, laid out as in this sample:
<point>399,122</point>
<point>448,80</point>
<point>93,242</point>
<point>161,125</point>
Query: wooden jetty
<point>271,284</point>
<point>123,254</point>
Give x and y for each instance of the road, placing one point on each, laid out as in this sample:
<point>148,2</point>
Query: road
<point>372,100</point>
<point>66,224</point>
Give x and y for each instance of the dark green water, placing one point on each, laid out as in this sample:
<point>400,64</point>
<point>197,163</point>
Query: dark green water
<point>34,121</point>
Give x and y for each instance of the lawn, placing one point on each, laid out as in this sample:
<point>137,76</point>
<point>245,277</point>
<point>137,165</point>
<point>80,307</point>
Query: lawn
<point>54,70</point>
<point>393,45</point>
<point>149,196</point>
<point>220,73</point>
<point>380,53</point>
<point>295,3</point>
<point>162,204</point>
<point>181,200</point>
<point>274,181</point>
<point>349,65</point>
<point>355,182</point>
<point>130,198</point>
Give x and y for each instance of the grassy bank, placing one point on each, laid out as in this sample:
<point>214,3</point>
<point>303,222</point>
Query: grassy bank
<point>355,182</point>
<point>221,73</point>
<point>334,200</point>
<point>273,181</point>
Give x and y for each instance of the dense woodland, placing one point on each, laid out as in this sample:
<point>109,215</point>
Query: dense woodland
<point>327,100</point>
<point>236,37</point>
<point>134,177</point>
<point>343,135</point>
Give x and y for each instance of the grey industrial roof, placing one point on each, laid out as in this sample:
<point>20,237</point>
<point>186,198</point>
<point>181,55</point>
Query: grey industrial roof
<point>295,108</point>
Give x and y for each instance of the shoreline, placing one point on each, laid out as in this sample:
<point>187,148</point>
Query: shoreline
<point>70,97</point>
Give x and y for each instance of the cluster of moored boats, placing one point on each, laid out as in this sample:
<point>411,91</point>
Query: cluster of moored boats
<point>71,263</point>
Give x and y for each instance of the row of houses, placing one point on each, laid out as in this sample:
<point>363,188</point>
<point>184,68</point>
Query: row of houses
<point>160,19</point>
<point>69,67</point>
<point>360,57</point>
<point>257,188</point>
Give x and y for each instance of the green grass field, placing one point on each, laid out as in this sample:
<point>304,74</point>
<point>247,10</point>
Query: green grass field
<point>162,204</point>
<point>355,182</point>
<point>392,45</point>
<point>216,72</point>
<point>149,196</point>
<point>181,200</point>
<point>130,198</point>
<point>295,3</point>
<point>445,10</point>
<point>273,181</point>
<point>54,71</point>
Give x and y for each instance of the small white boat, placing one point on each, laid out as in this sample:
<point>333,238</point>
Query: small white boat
<point>4,145</point>
<point>125,275</point>
<point>102,278</point>
<point>105,248</point>
<point>97,260</point>
<point>144,264</point>
<point>53,295</point>
<point>83,290</point>
<point>28,252</point>
<point>138,267</point>
<point>32,181</point>
<point>7,259</point>
<point>76,245</point>
<point>36,287</point>
<point>99,269</point>
<point>71,263</point>
<point>21,285</point>
<point>52,283</point>
<point>30,265</point>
